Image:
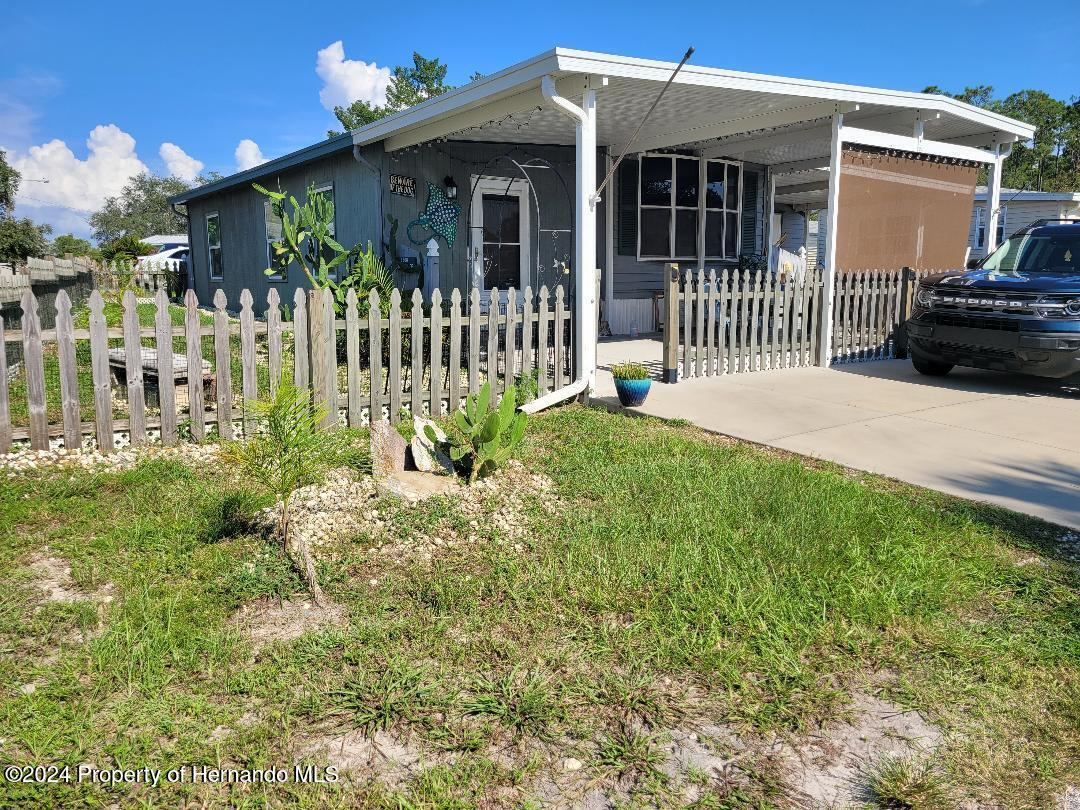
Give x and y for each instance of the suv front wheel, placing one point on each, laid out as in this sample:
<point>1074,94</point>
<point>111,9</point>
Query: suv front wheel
<point>930,367</point>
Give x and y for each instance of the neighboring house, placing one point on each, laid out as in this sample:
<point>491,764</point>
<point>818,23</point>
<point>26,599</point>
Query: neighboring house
<point>1018,210</point>
<point>166,241</point>
<point>518,151</point>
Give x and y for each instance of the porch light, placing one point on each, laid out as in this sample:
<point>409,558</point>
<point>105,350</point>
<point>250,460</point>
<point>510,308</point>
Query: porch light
<point>451,187</point>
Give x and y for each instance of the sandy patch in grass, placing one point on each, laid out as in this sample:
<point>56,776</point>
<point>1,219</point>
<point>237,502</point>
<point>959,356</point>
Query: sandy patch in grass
<point>51,577</point>
<point>383,755</point>
<point>270,621</point>
<point>829,768</point>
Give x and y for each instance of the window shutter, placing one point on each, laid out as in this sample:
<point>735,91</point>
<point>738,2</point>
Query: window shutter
<point>750,212</point>
<point>627,211</point>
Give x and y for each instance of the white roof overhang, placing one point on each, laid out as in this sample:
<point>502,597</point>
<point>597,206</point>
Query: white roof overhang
<point>749,116</point>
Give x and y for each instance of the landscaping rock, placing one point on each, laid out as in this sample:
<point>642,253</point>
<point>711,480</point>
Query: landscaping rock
<point>421,456</point>
<point>387,449</point>
<point>416,486</point>
<point>419,423</point>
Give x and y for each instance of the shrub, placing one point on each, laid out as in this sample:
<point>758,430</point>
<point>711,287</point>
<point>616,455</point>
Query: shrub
<point>630,371</point>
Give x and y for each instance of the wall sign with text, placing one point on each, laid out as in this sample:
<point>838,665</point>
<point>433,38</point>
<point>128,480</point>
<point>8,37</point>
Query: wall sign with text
<point>405,186</point>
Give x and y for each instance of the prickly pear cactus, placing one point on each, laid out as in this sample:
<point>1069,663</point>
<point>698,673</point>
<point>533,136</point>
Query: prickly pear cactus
<point>484,437</point>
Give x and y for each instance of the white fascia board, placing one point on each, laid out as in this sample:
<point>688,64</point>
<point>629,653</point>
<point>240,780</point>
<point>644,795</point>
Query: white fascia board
<point>802,188</point>
<point>884,140</point>
<point>984,139</point>
<point>475,94</point>
<point>707,132</point>
<point>649,69</point>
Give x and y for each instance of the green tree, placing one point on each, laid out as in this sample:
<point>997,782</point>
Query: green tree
<point>67,243</point>
<point>141,209</point>
<point>409,85</point>
<point>9,186</point>
<point>22,238</point>
<point>1051,160</point>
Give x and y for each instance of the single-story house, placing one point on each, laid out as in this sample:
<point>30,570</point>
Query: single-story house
<point>510,173</point>
<point>1018,210</point>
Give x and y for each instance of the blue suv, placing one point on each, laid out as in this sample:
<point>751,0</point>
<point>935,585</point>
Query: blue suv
<point>1017,310</point>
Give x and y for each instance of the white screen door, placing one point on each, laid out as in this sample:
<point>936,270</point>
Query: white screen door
<point>501,248</point>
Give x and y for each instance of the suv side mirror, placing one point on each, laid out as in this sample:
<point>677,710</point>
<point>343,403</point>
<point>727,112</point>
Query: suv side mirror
<point>972,264</point>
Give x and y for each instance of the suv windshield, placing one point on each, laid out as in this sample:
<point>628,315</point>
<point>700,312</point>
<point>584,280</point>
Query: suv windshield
<point>1026,253</point>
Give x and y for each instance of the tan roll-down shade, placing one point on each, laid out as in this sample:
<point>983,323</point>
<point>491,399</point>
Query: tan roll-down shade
<point>902,210</point>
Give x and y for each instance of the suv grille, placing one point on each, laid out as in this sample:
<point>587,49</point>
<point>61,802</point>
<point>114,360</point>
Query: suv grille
<point>975,301</point>
<point>977,321</point>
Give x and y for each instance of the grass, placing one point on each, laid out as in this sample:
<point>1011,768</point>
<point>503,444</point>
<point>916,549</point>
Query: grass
<point>680,578</point>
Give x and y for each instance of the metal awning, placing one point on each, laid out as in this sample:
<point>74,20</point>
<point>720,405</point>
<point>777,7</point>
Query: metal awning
<point>772,120</point>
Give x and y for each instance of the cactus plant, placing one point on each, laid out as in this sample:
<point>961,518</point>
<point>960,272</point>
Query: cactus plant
<point>482,437</point>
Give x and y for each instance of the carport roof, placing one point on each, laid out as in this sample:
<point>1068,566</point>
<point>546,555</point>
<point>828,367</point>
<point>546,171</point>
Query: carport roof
<point>737,114</point>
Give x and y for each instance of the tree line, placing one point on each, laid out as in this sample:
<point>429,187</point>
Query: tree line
<point>1051,162</point>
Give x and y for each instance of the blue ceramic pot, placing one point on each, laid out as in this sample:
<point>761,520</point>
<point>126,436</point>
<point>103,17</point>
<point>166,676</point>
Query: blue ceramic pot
<point>632,392</point>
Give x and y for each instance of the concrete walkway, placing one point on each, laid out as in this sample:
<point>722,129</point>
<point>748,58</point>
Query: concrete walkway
<point>1005,439</point>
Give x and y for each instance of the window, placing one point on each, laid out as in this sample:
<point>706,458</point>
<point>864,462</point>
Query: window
<point>685,201</point>
<point>272,226</point>
<point>327,190</point>
<point>502,241</point>
<point>213,247</point>
<point>980,225</point>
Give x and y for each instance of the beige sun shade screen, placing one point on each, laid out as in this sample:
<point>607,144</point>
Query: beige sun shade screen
<point>902,211</point>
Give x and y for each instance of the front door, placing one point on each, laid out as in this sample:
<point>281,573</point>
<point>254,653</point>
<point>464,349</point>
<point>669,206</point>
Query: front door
<point>501,247</point>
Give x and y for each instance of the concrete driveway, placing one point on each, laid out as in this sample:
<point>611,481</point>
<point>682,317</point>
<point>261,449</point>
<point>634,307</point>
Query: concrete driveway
<point>1005,439</point>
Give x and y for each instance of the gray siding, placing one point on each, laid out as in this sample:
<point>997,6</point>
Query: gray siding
<point>1019,214</point>
<point>357,193</point>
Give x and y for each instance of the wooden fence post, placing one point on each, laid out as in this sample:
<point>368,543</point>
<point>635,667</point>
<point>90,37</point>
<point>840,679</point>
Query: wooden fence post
<point>323,388</point>
<point>249,381</point>
<point>99,357</point>
<point>163,344</point>
<point>352,358</point>
<point>34,362</point>
<point>907,300</point>
<point>193,347</point>
<point>273,339</point>
<point>5,410</point>
<point>375,357</point>
<point>671,323</point>
<point>69,373</point>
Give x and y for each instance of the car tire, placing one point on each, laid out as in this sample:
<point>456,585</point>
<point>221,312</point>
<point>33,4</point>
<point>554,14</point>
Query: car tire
<point>931,368</point>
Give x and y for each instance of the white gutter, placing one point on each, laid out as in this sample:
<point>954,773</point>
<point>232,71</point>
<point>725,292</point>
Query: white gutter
<point>555,397</point>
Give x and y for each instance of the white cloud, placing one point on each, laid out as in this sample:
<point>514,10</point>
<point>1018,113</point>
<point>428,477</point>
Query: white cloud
<point>248,155</point>
<point>349,80</point>
<point>180,163</point>
<point>76,184</point>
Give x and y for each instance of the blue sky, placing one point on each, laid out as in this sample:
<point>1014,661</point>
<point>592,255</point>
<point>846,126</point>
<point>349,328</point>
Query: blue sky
<point>203,77</point>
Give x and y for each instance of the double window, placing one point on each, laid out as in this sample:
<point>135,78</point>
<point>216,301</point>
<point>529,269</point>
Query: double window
<point>688,207</point>
<point>213,247</point>
<point>980,225</point>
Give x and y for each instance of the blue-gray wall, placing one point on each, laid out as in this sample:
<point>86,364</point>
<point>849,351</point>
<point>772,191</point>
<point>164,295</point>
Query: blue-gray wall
<point>360,194</point>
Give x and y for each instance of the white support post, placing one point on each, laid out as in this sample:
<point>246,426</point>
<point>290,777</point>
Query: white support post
<point>993,199</point>
<point>770,209</point>
<point>609,239</point>
<point>833,215</point>
<point>585,333</point>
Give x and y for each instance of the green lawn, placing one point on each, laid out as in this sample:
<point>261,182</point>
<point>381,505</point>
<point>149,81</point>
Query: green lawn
<point>671,579</point>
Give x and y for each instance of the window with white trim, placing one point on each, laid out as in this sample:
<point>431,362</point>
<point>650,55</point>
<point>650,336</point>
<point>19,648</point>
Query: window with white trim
<point>272,228</point>
<point>687,205</point>
<point>213,247</point>
<point>980,225</point>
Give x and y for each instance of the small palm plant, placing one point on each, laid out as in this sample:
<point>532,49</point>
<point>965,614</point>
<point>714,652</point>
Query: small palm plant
<point>289,451</point>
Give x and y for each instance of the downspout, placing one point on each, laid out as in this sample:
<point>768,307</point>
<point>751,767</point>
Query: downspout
<point>377,171</point>
<point>585,334</point>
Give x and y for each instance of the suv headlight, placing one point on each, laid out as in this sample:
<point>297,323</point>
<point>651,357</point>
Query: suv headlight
<point>1058,306</point>
<point>1072,307</point>
<point>924,296</point>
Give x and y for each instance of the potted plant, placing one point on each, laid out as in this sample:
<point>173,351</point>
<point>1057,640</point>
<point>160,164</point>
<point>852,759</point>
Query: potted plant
<point>632,383</point>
